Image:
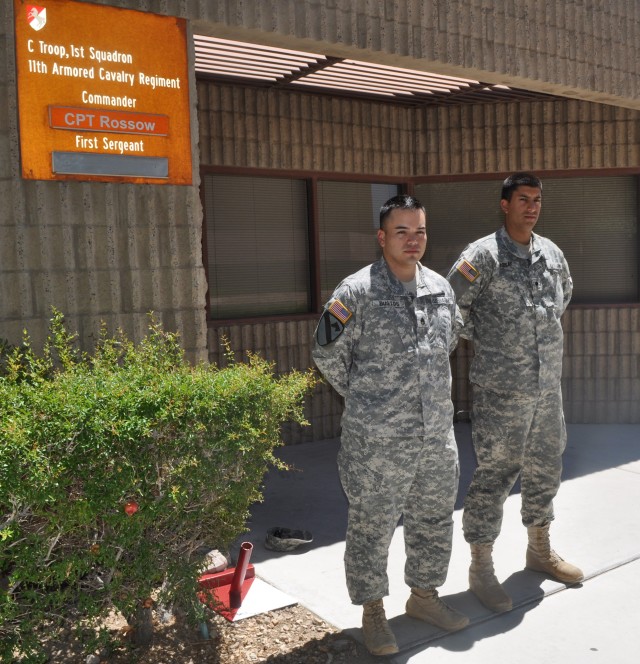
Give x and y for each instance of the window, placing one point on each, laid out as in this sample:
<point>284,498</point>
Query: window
<point>257,245</point>
<point>457,213</point>
<point>258,230</point>
<point>593,220</point>
<point>349,216</point>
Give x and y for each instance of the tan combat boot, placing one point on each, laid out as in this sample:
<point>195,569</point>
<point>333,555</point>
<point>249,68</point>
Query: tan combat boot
<point>424,604</point>
<point>378,637</point>
<point>542,558</point>
<point>483,582</point>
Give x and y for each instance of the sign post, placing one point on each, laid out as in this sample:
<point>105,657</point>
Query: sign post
<point>103,93</point>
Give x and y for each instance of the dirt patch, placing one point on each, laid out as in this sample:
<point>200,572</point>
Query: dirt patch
<point>292,635</point>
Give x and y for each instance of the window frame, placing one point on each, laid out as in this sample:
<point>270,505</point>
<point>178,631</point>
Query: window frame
<point>556,175</point>
<point>406,185</point>
<point>311,180</point>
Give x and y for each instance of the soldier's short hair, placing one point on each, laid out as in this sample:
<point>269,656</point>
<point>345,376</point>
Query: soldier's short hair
<point>401,202</point>
<point>516,180</point>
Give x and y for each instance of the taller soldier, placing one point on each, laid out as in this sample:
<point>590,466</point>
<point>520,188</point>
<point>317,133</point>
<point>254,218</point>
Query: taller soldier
<point>512,288</point>
<point>383,342</point>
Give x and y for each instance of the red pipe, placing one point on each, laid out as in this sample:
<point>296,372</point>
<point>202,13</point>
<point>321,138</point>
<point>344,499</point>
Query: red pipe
<point>235,596</point>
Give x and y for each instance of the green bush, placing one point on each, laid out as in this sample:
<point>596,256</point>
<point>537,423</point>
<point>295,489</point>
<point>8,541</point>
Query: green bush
<point>82,437</point>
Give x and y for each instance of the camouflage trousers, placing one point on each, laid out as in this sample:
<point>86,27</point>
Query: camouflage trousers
<point>514,435</point>
<point>384,479</point>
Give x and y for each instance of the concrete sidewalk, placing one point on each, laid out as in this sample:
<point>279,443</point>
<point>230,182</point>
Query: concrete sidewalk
<point>597,527</point>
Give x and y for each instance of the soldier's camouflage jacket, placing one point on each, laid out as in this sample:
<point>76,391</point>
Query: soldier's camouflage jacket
<point>387,352</point>
<point>511,307</point>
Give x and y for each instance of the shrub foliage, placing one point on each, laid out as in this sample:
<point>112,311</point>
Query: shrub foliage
<point>116,468</point>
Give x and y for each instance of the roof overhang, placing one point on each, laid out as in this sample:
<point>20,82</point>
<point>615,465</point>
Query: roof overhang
<point>267,66</point>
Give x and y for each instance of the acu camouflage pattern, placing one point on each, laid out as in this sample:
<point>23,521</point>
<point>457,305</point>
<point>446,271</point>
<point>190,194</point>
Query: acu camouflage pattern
<point>398,453</point>
<point>383,479</point>
<point>514,435</point>
<point>391,362</point>
<point>512,313</point>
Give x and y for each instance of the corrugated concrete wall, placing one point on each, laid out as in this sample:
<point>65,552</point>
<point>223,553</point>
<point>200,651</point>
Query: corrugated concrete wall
<point>244,127</point>
<point>569,47</point>
<point>268,128</point>
<point>541,135</point>
<point>601,373</point>
<point>575,48</point>
<point>111,252</point>
<point>108,253</point>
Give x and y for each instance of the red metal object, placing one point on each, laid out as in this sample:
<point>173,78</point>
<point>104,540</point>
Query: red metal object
<point>218,579</point>
<point>235,594</point>
<point>224,591</point>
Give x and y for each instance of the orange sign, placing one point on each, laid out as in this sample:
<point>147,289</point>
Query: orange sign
<point>103,93</point>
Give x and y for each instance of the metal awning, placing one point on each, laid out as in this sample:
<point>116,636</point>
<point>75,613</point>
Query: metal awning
<point>266,66</point>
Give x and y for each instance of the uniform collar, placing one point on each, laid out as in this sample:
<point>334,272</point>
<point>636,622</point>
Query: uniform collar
<point>395,285</point>
<point>536,248</point>
<point>423,287</point>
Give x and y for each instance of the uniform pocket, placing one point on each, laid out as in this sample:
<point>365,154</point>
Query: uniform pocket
<point>439,331</point>
<point>552,291</point>
<point>357,472</point>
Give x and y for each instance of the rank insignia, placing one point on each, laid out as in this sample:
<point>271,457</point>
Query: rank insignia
<point>467,270</point>
<point>332,322</point>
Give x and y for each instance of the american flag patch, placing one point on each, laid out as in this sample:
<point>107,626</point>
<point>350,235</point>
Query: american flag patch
<point>467,270</point>
<point>340,311</point>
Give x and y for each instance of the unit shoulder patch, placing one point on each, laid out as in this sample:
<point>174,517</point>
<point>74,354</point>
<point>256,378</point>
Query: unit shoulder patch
<point>467,270</point>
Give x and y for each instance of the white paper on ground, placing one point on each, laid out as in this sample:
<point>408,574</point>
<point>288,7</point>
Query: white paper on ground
<point>262,598</point>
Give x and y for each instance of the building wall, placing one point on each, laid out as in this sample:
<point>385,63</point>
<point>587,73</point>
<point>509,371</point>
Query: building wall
<point>95,251</point>
<point>540,135</point>
<point>268,128</point>
<point>244,127</point>
<point>569,47</point>
<point>574,48</point>
<point>601,372</point>
<point>114,252</point>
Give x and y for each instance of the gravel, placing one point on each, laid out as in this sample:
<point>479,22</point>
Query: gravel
<point>292,635</point>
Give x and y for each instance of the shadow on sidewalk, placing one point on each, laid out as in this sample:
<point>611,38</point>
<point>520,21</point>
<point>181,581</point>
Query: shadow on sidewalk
<point>523,586</point>
<point>309,496</point>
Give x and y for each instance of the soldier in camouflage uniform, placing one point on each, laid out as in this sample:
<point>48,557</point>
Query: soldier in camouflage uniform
<point>383,343</point>
<point>512,288</point>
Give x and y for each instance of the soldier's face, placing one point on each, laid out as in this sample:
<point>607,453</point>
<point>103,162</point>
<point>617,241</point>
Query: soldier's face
<point>403,239</point>
<point>522,212</point>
